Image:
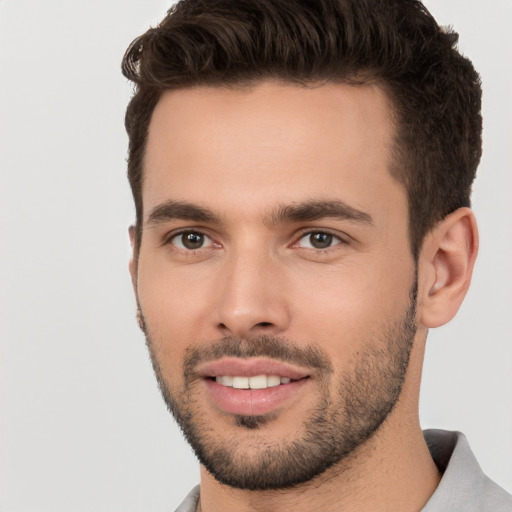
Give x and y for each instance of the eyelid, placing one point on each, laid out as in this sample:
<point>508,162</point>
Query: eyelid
<point>170,237</point>
<point>340,237</point>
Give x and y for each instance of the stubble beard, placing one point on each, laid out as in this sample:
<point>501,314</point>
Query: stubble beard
<point>340,422</point>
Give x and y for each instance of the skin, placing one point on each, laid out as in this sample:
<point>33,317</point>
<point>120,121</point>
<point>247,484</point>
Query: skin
<point>243,154</point>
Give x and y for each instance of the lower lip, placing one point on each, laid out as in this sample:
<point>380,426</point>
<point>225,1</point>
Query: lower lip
<point>253,402</point>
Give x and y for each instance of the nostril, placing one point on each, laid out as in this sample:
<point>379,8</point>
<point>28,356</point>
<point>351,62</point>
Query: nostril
<point>264,324</point>
<point>245,328</point>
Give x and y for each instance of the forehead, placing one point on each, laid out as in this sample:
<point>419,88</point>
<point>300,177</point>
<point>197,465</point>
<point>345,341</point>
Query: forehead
<point>270,143</point>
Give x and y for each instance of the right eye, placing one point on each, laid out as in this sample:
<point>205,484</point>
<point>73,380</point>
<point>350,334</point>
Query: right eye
<point>191,240</point>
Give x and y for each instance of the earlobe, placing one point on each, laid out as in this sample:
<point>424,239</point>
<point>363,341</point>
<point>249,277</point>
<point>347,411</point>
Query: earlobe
<point>447,260</point>
<point>132,266</point>
<point>140,320</point>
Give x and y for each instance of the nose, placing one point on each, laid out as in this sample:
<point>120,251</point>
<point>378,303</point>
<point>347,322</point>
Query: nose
<point>252,297</point>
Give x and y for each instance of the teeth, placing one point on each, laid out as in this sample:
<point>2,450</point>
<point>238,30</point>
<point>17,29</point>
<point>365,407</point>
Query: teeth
<point>273,380</point>
<point>241,382</point>
<point>256,382</point>
<point>226,380</point>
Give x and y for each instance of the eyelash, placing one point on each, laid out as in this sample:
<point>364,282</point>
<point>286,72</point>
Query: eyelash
<point>339,240</point>
<point>174,236</point>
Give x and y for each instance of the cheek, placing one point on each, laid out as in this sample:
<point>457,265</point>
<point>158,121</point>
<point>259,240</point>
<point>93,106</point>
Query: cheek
<point>352,305</point>
<point>174,309</point>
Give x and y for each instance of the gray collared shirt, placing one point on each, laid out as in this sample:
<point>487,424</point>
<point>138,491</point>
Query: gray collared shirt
<point>463,487</point>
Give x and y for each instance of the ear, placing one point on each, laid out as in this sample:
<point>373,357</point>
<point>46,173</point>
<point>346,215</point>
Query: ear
<point>446,265</point>
<point>132,265</point>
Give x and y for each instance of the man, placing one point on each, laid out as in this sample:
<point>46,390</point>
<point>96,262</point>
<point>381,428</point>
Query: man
<point>301,173</point>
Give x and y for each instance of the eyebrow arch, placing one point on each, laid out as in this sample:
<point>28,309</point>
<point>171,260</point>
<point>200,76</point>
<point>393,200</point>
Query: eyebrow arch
<point>315,210</point>
<point>172,210</point>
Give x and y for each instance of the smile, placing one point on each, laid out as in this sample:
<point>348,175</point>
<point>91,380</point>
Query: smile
<point>256,382</point>
<point>252,386</point>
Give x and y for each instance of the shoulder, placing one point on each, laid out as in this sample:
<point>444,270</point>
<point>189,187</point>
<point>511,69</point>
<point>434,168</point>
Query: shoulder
<point>464,486</point>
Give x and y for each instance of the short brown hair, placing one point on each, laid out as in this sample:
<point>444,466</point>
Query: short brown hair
<point>396,43</point>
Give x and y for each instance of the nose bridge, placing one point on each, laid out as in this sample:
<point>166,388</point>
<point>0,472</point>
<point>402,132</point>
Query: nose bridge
<point>251,299</point>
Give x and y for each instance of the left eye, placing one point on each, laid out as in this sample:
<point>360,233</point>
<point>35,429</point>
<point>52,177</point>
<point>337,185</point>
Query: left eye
<point>318,240</point>
<point>191,240</point>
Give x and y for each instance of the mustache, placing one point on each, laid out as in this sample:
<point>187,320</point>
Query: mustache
<point>274,347</point>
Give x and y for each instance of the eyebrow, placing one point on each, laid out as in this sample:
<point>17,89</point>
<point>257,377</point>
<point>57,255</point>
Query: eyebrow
<point>315,210</point>
<point>297,212</point>
<point>172,210</point>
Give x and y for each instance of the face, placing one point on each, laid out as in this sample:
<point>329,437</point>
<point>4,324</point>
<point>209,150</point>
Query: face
<point>275,280</point>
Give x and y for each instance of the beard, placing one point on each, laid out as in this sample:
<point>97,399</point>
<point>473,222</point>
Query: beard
<point>349,411</point>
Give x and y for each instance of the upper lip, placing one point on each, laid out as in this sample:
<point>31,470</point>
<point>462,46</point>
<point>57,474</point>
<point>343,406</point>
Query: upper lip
<point>250,367</point>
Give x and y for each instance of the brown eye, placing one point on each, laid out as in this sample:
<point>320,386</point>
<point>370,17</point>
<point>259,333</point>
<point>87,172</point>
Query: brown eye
<point>191,240</point>
<point>318,240</point>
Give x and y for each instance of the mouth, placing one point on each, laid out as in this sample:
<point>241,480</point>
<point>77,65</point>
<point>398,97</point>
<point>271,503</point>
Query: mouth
<point>252,386</point>
<point>256,382</point>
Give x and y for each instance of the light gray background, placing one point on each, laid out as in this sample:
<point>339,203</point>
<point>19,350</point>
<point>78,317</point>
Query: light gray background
<point>83,427</point>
